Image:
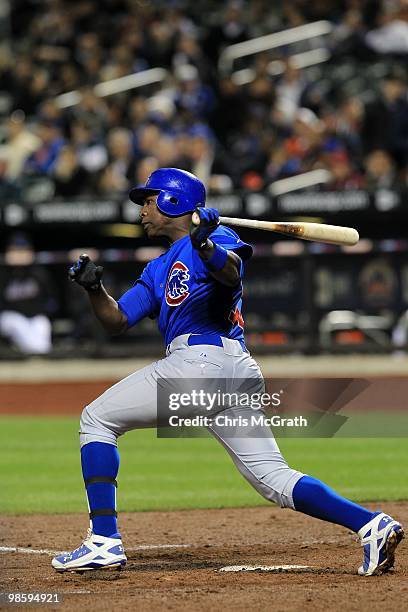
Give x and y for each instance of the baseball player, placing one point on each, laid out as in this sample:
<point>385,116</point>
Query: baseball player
<point>194,290</point>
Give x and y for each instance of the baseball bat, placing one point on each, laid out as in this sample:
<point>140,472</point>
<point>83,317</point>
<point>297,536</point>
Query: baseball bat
<point>316,232</point>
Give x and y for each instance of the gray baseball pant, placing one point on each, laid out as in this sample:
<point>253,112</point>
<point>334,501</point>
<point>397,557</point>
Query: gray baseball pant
<point>132,404</point>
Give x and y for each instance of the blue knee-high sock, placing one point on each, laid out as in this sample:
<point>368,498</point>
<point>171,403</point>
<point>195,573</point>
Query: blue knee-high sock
<point>313,497</point>
<point>100,461</point>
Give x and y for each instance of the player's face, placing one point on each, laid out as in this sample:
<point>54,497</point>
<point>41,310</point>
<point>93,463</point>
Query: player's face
<point>153,221</point>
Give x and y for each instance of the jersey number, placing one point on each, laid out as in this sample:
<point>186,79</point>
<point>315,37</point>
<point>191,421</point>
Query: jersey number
<point>236,318</point>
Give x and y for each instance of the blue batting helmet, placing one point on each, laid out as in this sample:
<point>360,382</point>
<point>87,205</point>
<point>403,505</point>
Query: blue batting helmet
<point>179,192</point>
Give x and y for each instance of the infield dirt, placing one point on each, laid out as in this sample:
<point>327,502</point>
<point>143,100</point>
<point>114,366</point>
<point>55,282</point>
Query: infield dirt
<point>187,578</point>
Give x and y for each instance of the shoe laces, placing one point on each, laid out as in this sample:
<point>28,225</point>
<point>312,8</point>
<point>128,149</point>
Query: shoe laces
<point>86,539</point>
<point>89,535</point>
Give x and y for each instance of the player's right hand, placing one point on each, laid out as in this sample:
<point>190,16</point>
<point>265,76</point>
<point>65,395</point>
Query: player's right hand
<point>204,222</point>
<point>86,273</point>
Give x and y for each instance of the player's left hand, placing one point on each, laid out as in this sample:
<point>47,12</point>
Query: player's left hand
<point>209,221</point>
<point>86,273</point>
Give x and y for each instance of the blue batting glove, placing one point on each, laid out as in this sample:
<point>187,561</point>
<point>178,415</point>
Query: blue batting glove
<point>209,221</point>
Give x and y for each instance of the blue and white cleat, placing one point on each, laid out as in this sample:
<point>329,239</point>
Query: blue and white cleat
<point>96,552</point>
<point>380,537</point>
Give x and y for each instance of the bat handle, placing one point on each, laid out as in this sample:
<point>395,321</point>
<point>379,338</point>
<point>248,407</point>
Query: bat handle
<point>195,218</point>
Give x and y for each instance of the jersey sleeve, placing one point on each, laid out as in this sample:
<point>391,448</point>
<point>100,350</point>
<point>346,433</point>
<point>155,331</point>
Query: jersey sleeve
<point>227,238</point>
<point>139,301</point>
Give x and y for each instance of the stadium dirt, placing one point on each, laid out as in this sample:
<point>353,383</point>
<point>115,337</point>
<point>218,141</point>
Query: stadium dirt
<point>175,557</point>
<point>63,387</point>
<point>69,398</point>
<point>188,577</point>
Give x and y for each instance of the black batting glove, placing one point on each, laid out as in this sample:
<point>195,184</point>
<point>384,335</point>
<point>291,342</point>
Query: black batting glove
<point>86,273</point>
<point>209,221</point>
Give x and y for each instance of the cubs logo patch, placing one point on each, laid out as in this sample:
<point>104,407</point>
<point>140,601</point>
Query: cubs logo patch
<point>176,287</point>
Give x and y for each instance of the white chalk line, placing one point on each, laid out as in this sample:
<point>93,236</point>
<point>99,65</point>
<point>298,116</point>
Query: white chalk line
<point>153,546</point>
<point>262,568</point>
<point>45,551</point>
<point>29,551</point>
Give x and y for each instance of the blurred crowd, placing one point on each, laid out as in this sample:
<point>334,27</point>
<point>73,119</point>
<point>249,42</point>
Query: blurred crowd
<point>281,121</point>
<point>336,102</point>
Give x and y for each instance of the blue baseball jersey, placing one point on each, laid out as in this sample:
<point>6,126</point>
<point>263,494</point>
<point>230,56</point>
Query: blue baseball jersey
<point>179,291</point>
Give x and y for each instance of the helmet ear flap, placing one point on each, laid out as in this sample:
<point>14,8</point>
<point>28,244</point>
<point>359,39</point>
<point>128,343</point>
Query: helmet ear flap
<point>169,204</point>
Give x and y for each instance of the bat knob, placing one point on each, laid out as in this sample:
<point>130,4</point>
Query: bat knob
<point>195,218</point>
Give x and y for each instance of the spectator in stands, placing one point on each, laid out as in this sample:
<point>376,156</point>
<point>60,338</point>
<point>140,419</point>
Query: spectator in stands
<point>391,35</point>
<point>51,112</point>
<point>380,171</point>
<point>116,112</point>
<point>160,40</point>
<point>69,78</point>
<point>189,51</point>
<point>161,111</point>
<point>145,139</point>
<point>340,131</point>
<point>348,36</point>
<point>144,168</point>
<point>37,91</point>
<point>25,299</point>
<point>230,108</point>
<point>88,53</point>
<point>300,149</point>
<point>385,124</point>
<point>92,154</point>
<point>182,144</point>
<point>245,149</point>
<point>289,91</point>
<point>260,96</point>
<point>54,28</point>
<point>348,124</point>
<point>20,144</point>
<point>263,17</point>
<point>293,16</point>
<point>93,110</point>
<point>137,112</point>
<point>166,153</point>
<point>344,174</point>
<point>17,81</point>
<point>191,94</point>
<point>121,63</point>
<point>119,172</point>
<point>230,28</point>
<point>205,163</point>
<point>70,178</point>
<point>132,33</point>
<point>43,160</point>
